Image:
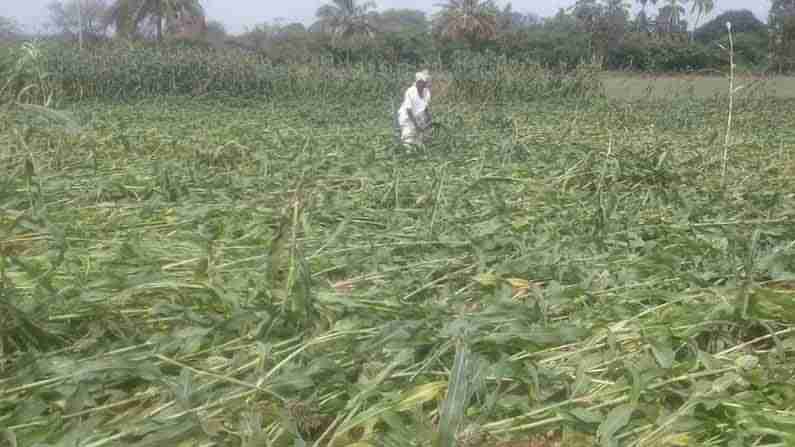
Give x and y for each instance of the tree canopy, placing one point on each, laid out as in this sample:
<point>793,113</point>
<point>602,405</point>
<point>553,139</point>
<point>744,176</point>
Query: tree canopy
<point>743,21</point>
<point>472,21</point>
<point>129,15</point>
<point>346,20</point>
<point>64,17</point>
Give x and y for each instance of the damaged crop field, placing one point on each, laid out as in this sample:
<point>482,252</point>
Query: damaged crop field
<point>251,272</point>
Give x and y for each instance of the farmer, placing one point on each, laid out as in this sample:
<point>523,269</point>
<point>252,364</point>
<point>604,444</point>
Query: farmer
<point>414,115</point>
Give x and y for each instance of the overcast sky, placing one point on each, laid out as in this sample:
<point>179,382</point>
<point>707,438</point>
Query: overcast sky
<point>238,15</point>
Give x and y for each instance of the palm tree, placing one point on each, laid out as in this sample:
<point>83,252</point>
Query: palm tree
<point>642,20</point>
<point>470,20</point>
<point>669,17</point>
<point>128,15</point>
<point>346,19</point>
<point>644,3</point>
<point>704,7</point>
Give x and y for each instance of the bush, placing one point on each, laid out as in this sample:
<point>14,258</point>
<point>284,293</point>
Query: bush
<point>408,48</point>
<point>750,49</point>
<point>547,47</point>
<point>639,52</point>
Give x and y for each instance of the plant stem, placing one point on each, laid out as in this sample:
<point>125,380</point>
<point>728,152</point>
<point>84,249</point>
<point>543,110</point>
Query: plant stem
<point>731,107</point>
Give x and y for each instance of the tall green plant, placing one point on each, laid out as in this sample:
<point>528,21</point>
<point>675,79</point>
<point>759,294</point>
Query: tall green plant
<point>24,76</point>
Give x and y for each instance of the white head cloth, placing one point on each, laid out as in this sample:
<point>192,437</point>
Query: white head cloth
<point>423,76</point>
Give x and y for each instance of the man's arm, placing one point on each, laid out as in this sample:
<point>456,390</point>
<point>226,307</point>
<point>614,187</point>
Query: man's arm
<point>413,118</point>
<point>426,122</point>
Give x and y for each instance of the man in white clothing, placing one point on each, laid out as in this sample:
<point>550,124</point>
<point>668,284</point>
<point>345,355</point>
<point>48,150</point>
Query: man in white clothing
<point>414,115</point>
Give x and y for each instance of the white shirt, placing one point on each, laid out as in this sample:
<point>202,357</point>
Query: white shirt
<point>416,103</point>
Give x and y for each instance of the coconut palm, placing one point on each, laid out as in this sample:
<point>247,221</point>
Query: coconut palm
<point>701,8</point>
<point>642,22</point>
<point>346,19</point>
<point>470,20</point>
<point>128,15</point>
<point>644,3</point>
<point>670,15</point>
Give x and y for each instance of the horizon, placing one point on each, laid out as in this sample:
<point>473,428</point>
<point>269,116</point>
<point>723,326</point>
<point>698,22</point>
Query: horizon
<point>31,15</point>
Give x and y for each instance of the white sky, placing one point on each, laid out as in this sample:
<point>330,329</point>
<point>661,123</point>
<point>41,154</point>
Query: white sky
<point>238,15</point>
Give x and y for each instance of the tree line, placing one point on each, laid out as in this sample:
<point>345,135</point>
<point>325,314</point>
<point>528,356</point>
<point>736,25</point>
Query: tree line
<point>602,32</point>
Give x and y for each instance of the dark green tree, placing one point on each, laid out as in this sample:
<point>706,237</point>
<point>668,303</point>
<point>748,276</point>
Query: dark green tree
<point>782,34</point>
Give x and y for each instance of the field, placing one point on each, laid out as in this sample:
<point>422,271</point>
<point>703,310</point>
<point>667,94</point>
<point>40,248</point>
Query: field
<point>633,87</point>
<point>253,272</point>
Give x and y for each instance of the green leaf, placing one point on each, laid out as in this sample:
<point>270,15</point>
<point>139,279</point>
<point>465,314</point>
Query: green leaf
<point>458,394</point>
<point>663,353</point>
<point>587,416</point>
<point>615,420</point>
<point>366,416</point>
<point>637,383</point>
<point>582,380</point>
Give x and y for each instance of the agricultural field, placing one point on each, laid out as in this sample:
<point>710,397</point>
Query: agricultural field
<point>259,272</point>
<point>633,87</point>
